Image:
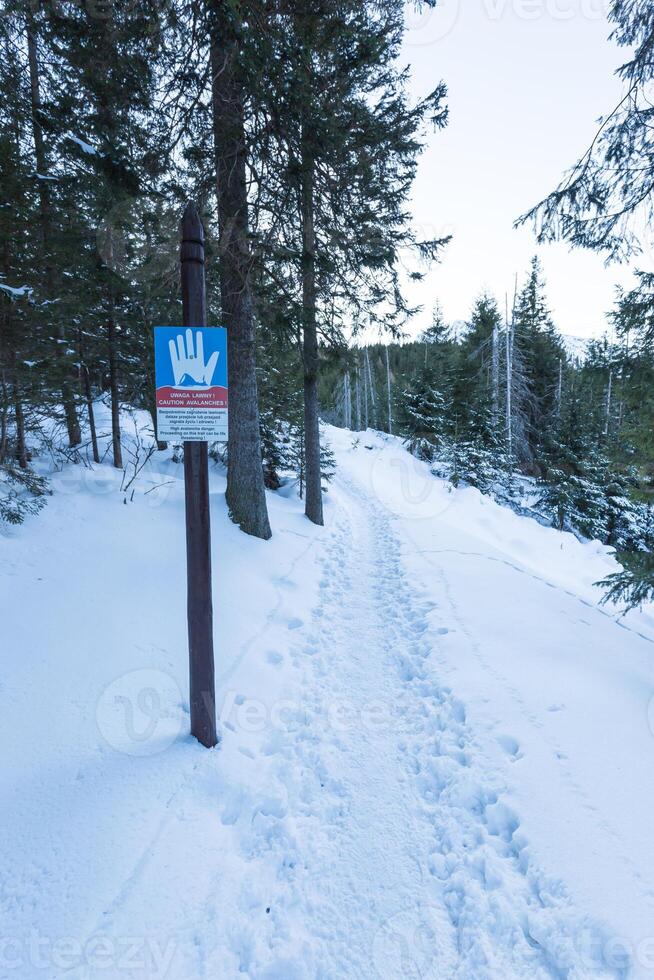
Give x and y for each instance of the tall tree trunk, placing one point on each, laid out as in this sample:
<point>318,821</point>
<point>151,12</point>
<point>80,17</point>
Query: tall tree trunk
<point>88,395</point>
<point>609,395</point>
<point>509,376</point>
<point>388,386</point>
<point>313,502</point>
<point>373,399</point>
<point>8,348</point>
<point>4,416</point>
<point>357,395</point>
<point>68,399</point>
<point>365,397</point>
<point>4,389</point>
<point>91,414</point>
<point>495,375</point>
<point>246,496</point>
<point>19,416</point>
<point>509,383</point>
<point>150,381</point>
<point>21,445</point>
<point>348,400</point>
<point>112,346</point>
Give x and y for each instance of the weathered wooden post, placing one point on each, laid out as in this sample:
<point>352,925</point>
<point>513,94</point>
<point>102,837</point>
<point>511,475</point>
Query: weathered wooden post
<point>198,526</point>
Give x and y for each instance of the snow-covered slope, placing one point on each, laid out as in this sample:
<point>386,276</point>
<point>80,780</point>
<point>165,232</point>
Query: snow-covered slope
<point>435,757</point>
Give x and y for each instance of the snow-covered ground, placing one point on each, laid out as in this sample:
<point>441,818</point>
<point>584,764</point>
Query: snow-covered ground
<point>436,754</point>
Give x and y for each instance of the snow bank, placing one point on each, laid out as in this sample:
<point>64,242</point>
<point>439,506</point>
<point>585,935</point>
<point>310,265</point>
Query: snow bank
<point>435,753</point>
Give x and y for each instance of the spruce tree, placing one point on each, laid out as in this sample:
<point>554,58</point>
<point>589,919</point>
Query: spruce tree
<point>423,416</point>
<point>538,351</point>
<point>605,202</point>
<point>347,142</point>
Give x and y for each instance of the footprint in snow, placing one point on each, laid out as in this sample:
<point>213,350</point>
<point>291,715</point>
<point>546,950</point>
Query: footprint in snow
<point>295,623</point>
<point>511,746</point>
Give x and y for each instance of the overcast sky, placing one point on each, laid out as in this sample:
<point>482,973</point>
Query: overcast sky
<point>527,81</point>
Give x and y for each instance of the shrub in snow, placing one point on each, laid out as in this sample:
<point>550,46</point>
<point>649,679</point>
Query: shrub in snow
<point>22,493</point>
<point>634,584</point>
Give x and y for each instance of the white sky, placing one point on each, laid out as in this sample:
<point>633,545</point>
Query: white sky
<point>527,81</point>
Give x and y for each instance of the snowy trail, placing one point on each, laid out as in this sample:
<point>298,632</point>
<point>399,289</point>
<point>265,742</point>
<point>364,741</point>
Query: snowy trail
<point>368,863</point>
<point>435,759</point>
<point>421,873</point>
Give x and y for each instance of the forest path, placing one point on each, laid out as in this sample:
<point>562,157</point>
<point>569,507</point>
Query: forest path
<point>417,866</point>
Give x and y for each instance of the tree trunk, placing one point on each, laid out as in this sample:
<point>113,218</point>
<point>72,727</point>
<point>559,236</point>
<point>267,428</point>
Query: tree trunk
<point>19,418</point>
<point>246,496</point>
<point>609,393</point>
<point>113,390</point>
<point>313,502</point>
<point>150,381</point>
<point>347,400</point>
<point>88,394</point>
<point>3,435</point>
<point>495,375</point>
<point>4,390</point>
<point>68,399</point>
<point>5,358</point>
<point>357,400</point>
<point>373,400</point>
<point>4,427</point>
<point>19,415</point>
<point>388,385</point>
<point>509,383</point>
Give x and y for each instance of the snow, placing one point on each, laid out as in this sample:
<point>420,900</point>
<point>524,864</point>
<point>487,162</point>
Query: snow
<point>83,145</point>
<point>16,290</point>
<point>575,347</point>
<point>435,755</point>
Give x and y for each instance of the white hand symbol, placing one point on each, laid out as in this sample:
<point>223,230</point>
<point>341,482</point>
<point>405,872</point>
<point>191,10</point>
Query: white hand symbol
<point>188,361</point>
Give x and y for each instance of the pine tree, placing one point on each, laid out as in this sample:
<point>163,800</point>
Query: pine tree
<point>538,353</point>
<point>422,416</point>
<point>476,395</point>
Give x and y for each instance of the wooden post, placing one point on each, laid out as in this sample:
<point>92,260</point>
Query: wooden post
<point>198,526</point>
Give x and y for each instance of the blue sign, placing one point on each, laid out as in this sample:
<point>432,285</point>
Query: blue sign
<point>190,366</point>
